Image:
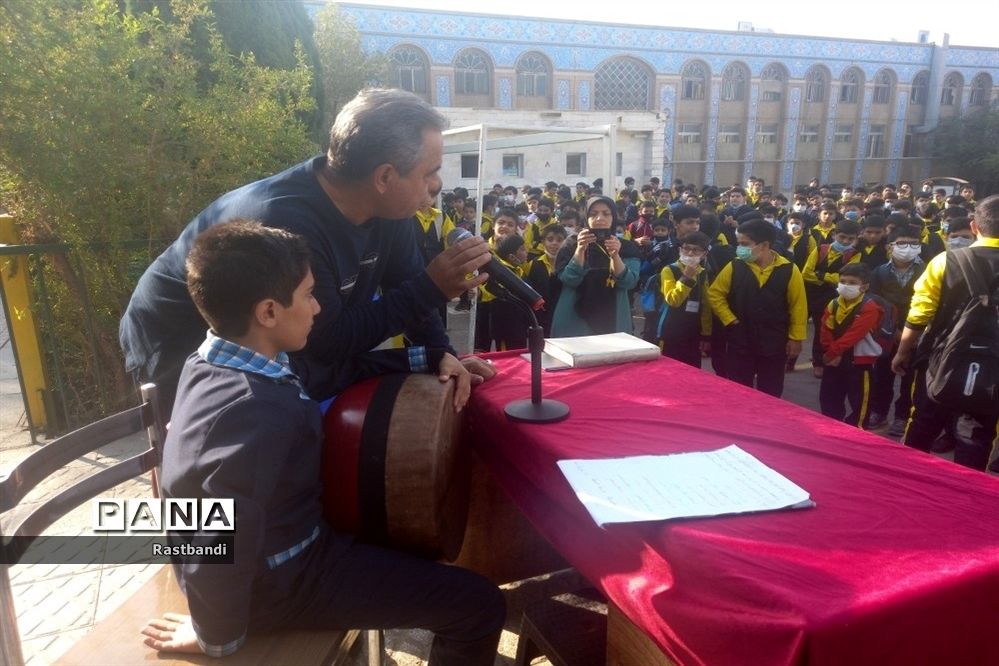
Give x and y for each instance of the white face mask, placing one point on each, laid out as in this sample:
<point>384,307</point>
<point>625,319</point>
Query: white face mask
<point>905,253</point>
<point>794,228</point>
<point>848,291</point>
<point>689,260</point>
<point>959,242</point>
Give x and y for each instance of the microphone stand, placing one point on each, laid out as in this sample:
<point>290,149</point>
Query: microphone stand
<point>536,409</point>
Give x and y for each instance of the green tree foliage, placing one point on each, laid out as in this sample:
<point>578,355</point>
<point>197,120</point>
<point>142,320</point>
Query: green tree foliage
<point>968,147</point>
<point>344,66</point>
<point>110,135</point>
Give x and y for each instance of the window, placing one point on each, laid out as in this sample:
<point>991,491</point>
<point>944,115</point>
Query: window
<point>471,73</point>
<point>619,163</point>
<point>844,134</point>
<point>850,88</point>
<point>766,133</point>
<point>733,87</point>
<point>622,84</point>
<point>409,69</point>
<point>883,84</point>
<point>981,90</point>
<point>920,88</point>
<point>575,164</point>
<point>876,141</point>
<point>910,143</point>
<point>772,80</point>
<point>730,134</point>
<point>689,133</point>
<point>533,75</point>
<point>951,92</point>
<point>693,80</point>
<point>470,165</point>
<point>809,134</point>
<point>513,165</point>
<point>815,85</point>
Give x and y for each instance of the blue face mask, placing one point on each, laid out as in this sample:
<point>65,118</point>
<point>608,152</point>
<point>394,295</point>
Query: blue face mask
<point>852,214</point>
<point>840,247</point>
<point>744,253</point>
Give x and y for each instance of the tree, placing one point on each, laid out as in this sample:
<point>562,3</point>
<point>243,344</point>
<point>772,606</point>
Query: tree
<point>344,66</point>
<point>968,147</point>
<point>110,135</point>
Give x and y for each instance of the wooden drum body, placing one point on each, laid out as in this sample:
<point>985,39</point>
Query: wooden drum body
<point>393,472</point>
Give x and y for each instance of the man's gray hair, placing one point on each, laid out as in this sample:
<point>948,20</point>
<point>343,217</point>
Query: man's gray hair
<point>380,126</point>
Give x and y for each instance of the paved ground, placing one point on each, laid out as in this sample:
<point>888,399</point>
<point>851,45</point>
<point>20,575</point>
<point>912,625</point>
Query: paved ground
<point>57,604</point>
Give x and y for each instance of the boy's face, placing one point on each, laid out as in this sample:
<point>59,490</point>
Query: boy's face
<point>736,199</point>
<point>684,227</point>
<point>570,224</point>
<point>845,239</point>
<point>544,212</point>
<point>660,232</point>
<point>532,205</point>
<point>504,226</point>
<point>647,211</point>
<point>664,198</point>
<point>693,251</point>
<point>518,257</point>
<point>468,214</point>
<point>873,235</point>
<point>967,193</point>
<point>553,242</point>
<point>827,217</point>
<point>293,323</point>
<point>854,281</point>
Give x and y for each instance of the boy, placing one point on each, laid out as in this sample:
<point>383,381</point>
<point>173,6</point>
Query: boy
<point>872,244</point>
<point>242,428</point>
<point>507,323</point>
<point>894,281</point>
<point>641,229</point>
<point>662,252</point>
<point>826,222</point>
<point>686,323</point>
<point>540,274</point>
<point>504,225</point>
<point>760,300</point>
<point>532,234</point>
<point>959,233</point>
<point>849,349</point>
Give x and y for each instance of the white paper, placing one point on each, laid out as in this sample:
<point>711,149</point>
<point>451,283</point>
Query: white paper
<point>681,485</point>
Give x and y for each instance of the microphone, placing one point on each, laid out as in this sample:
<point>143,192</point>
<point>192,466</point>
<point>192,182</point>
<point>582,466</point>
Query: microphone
<point>502,275</point>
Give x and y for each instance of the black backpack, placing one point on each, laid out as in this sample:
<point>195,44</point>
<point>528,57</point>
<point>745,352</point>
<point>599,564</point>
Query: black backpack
<point>963,371</point>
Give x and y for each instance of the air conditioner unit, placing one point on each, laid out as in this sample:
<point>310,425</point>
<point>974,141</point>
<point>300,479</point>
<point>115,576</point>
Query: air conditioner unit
<point>924,37</point>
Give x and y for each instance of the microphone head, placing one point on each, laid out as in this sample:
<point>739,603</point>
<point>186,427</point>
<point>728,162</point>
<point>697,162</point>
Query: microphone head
<point>457,235</point>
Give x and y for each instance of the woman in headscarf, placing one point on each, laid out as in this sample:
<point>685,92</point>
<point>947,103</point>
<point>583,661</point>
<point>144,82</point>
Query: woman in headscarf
<point>596,270</point>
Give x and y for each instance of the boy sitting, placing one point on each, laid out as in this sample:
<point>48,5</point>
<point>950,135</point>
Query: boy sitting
<point>242,428</point>
<point>849,349</point>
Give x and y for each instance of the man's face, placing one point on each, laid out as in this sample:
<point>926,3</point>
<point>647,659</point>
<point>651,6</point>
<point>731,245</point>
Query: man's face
<point>459,205</point>
<point>691,200</point>
<point>846,193</point>
<point>684,227</point>
<point>939,197</point>
<point>403,195</point>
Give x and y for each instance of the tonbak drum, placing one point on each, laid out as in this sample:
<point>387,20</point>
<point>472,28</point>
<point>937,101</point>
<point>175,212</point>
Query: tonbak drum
<point>393,473</point>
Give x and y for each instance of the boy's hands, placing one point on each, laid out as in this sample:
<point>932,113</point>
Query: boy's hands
<point>793,348</point>
<point>171,633</point>
<point>451,367</point>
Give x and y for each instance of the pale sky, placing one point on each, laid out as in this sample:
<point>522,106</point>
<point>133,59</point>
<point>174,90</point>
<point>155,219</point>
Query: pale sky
<point>970,23</point>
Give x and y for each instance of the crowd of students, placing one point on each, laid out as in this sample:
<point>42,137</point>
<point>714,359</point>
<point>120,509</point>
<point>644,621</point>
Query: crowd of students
<point>731,275</point>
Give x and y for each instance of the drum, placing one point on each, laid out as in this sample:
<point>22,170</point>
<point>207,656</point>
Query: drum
<point>392,470</point>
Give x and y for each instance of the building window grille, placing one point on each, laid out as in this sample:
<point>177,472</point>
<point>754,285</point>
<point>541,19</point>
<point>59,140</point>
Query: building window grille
<point>689,133</point>
<point>622,84</point>
<point>766,133</point>
<point>471,73</point>
<point>844,134</point>
<point>951,92</point>
<point>575,164</point>
<point>694,80</point>
<point>815,86</point>
<point>772,80</point>
<point>513,166</point>
<point>470,165</point>
<point>810,134</point>
<point>876,141</point>
<point>849,90</point>
<point>730,134</point>
<point>409,69</point>
<point>981,90</point>
<point>883,84</point>
<point>920,88</point>
<point>733,87</point>
<point>533,76</point>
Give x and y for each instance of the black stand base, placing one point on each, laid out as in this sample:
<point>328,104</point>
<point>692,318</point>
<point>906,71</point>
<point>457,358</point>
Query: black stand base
<point>547,411</point>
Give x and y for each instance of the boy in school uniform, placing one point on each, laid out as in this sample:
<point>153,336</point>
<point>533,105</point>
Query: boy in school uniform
<point>873,244</point>
<point>540,274</point>
<point>507,322</point>
<point>760,300</point>
<point>504,225</point>
<point>825,223</point>
<point>686,322</point>
<point>849,349</point>
<point>243,428</point>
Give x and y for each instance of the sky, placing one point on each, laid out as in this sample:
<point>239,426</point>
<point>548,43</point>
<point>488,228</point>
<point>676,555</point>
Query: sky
<point>969,23</point>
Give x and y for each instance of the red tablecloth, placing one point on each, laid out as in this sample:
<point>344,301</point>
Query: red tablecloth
<point>897,564</point>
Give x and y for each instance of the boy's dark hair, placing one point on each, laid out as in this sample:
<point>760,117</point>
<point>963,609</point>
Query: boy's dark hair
<point>906,231</point>
<point>461,192</point>
<point>696,238</point>
<point>489,201</point>
<point>508,245</point>
<point>800,216</point>
<point>647,204</point>
<point>874,221</point>
<point>507,211</point>
<point>758,231</point>
<point>829,206</point>
<point>959,224</point>
<point>569,214</point>
<point>661,222</point>
<point>238,263</point>
<point>767,208</point>
<point>902,204</point>
<point>857,270</point>
<point>686,213</point>
<point>736,190</point>
<point>554,228</point>
<point>847,227</point>
<point>987,216</point>
<point>954,211</point>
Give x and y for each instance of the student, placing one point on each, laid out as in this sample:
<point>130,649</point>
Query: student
<point>849,349</point>
<point>940,295</point>
<point>242,428</point>
<point>540,274</point>
<point>504,225</point>
<point>729,215</point>
<point>760,300</point>
<point>596,270</point>
<point>959,233</point>
<point>894,281</point>
<point>826,219</point>
<point>507,321</point>
<point>872,243</point>
<point>802,242</point>
<point>432,229</point>
<point>532,234</point>
<point>569,220</point>
<point>821,276</point>
<point>640,230</point>
<point>657,255</point>
<point>686,322</point>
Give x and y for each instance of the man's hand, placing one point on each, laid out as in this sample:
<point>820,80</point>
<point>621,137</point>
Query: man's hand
<point>900,362</point>
<point>451,268</point>
<point>451,367</point>
<point>171,633</point>
<point>480,370</point>
<point>793,348</point>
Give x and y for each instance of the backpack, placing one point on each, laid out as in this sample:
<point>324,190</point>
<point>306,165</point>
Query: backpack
<point>963,371</point>
<point>884,332</point>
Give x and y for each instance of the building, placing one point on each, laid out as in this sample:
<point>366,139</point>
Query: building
<point>703,106</point>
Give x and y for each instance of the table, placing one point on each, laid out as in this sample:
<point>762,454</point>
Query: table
<point>897,564</point>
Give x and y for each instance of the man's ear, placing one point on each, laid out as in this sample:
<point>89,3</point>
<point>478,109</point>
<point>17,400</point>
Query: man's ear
<point>265,313</point>
<point>383,176</point>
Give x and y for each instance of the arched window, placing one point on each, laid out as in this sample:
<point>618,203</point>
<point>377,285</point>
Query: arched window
<point>884,83</point>
<point>981,90</point>
<point>816,81</point>
<point>533,75</point>
<point>694,80</point>
<point>951,93</point>
<point>623,84</point>
<point>471,73</point>
<point>772,80</point>
<point>734,78</point>
<point>409,69</point>
<point>850,86</point>
<point>920,88</point>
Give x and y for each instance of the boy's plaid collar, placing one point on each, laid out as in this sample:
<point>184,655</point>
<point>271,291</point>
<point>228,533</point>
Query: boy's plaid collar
<point>224,353</point>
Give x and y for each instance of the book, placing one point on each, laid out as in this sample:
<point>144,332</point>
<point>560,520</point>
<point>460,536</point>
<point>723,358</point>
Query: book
<point>548,362</point>
<point>588,351</point>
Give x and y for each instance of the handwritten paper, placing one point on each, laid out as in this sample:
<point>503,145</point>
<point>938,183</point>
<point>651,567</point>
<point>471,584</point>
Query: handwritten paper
<point>682,485</point>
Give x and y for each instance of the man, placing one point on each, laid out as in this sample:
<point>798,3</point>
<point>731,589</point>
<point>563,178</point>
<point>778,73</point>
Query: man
<point>941,294</point>
<point>353,206</point>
